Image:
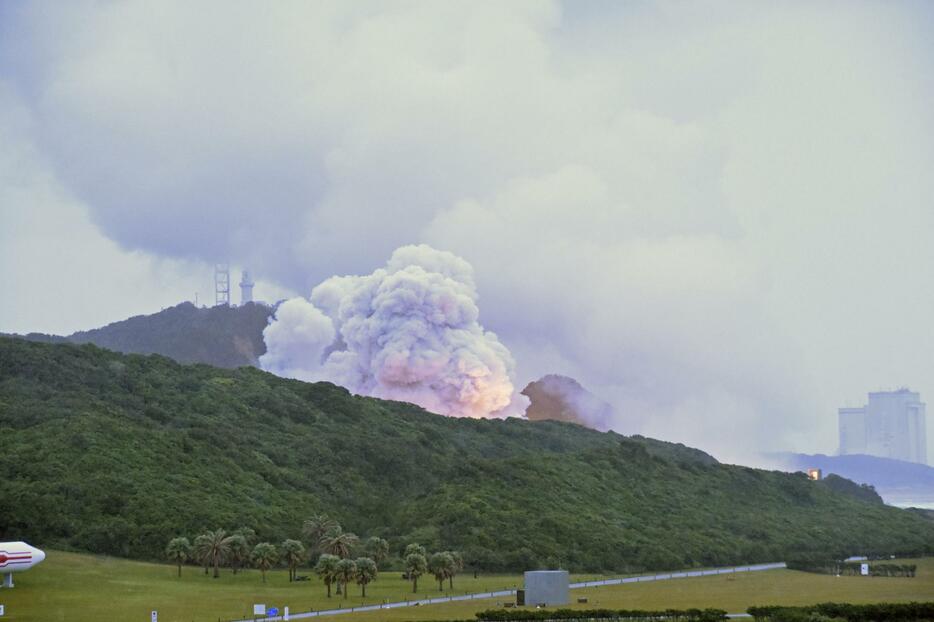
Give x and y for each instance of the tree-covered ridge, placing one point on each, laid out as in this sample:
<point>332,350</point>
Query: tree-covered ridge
<point>120,453</point>
<point>221,336</point>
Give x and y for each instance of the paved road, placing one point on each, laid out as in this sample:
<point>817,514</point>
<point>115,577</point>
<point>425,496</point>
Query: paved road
<point>484,595</point>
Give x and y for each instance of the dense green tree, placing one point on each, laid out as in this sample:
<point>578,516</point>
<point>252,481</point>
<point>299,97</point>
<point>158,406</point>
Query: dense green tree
<point>178,551</point>
<point>377,549</point>
<point>238,551</point>
<point>326,569</point>
<point>248,534</point>
<point>441,565</point>
<point>415,566</point>
<point>213,547</point>
<point>292,552</point>
<point>366,573</point>
<point>346,572</point>
<point>264,556</point>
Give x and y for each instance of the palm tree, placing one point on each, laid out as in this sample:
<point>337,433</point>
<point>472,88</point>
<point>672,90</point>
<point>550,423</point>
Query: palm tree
<point>178,551</point>
<point>346,572</point>
<point>340,543</point>
<point>414,548</point>
<point>377,549</point>
<point>441,565</point>
<point>316,527</point>
<point>415,566</point>
<point>264,556</point>
<point>366,573</point>
<point>201,549</point>
<point>457,567</point>
<point>292,551</point>
<point>327,569</point>
<point>212,547</point>
<point>238,550</point>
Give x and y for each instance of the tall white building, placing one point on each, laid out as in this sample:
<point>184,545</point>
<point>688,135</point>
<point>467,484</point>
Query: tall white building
<point>891,425</point>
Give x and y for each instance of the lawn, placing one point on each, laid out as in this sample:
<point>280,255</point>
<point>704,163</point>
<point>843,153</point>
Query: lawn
<point>734,593</point>
<point>69,586</point>
<point>84,588</point>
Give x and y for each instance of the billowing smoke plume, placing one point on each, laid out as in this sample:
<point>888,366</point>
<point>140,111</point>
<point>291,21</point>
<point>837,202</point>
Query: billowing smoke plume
<point>409,331</point>
<point>296,340</point>
<point>646,195</point>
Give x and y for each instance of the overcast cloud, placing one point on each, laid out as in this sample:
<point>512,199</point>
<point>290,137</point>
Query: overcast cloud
<point>717,216</point>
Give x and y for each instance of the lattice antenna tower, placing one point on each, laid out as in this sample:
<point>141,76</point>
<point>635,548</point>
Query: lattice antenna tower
<point>221,284</point>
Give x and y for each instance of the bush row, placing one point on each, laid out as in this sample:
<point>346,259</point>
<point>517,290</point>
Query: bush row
<point>836,567</point>
<point>881,570</point>
<point>676,615</point>
<point>881,612</point>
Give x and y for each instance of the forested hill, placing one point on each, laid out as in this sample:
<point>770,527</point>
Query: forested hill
<point>221,336</point>
<point>117,453</point>
<point>896,480</point>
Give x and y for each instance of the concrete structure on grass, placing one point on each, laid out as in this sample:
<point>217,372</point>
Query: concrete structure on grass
<point>547,587</point>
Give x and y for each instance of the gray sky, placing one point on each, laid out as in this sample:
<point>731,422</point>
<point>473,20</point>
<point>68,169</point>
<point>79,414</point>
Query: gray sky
<point>717,216</point>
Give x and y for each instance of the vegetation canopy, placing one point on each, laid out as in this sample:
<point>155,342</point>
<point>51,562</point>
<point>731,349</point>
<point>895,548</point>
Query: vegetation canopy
<point>118,454</point>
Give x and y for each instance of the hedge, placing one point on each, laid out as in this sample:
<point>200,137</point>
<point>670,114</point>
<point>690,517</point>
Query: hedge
<point>881,612</point>
<point>677,615</point>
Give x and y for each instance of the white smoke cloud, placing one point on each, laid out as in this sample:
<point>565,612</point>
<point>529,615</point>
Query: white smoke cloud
<point>714,216</point>
<point>649,324</point>
<point>409,331</point>
<point>296,340</point>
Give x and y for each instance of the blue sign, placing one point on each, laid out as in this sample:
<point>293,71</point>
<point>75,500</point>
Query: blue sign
<point>272,611</point>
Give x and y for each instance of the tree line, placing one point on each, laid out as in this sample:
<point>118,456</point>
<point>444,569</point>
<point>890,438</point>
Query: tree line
<point>341,557</point>
<point>217,548</point>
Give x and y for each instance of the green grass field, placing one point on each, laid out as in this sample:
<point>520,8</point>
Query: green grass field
<point>733,593</point>
<point>84,588</point>
<point>68,586</point>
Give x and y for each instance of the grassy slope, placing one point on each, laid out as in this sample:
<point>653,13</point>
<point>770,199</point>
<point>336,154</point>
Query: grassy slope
<point>116,454</point>
<point>82,588</point>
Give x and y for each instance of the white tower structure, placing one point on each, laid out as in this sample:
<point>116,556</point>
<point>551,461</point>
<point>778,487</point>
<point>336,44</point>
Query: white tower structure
<point>891,425</point>
<point>221,284</point>
<point>246,288</point>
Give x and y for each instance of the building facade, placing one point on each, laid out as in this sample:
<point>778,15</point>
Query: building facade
<point>891,425</point>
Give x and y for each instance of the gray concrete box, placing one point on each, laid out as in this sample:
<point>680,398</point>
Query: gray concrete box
<point>547,587</point>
